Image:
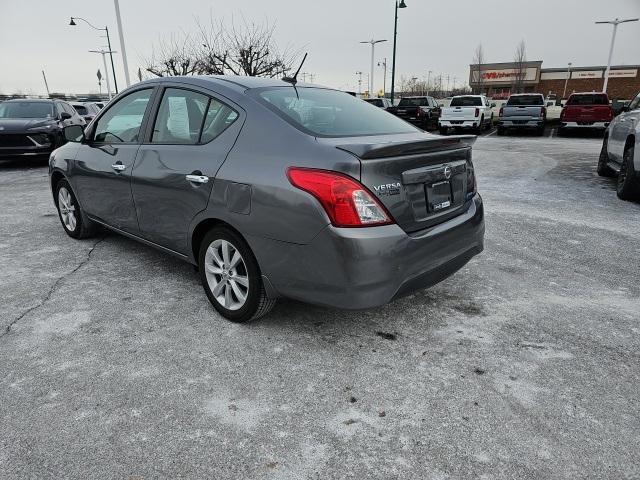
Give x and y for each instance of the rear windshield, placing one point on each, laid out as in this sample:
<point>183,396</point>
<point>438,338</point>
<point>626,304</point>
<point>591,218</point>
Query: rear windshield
<point>466,102</point>
<point>26,110</point>
<point>413,102</point>
<point>521,100</point>
<point>330,113</point>
<point>588,99</point>
<point>81,109</point>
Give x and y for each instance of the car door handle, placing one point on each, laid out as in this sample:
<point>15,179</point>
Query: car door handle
<point>118,167</point>
<point>197,178</point>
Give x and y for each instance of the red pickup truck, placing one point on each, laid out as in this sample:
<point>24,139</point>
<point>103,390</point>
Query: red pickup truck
<point>586,110</point>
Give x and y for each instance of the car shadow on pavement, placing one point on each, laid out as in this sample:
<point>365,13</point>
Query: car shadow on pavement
<point>23,162</point>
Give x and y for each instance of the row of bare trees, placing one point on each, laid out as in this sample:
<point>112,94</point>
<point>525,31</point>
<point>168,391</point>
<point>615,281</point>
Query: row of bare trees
<point>520,67</point>
<point>221,47</point>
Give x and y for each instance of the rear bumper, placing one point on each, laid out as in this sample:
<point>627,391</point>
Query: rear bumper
<point>459,123</point>
<point>595,125</point>
<point>357,268</point>
<point>520,123</point>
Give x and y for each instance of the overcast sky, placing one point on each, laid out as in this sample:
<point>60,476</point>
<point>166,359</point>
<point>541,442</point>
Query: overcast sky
<point>433,35</point>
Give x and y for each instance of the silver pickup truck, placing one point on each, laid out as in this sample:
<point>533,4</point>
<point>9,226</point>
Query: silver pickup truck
<point>525,110</point>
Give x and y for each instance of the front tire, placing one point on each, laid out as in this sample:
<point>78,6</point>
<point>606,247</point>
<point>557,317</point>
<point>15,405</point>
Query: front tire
<point>604,170</point>
<point>74,221</point>
<point>231,276</point>
<point>628,186</point>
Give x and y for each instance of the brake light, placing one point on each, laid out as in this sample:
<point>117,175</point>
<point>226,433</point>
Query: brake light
<point>477,112</point>
<point>472,185</point>
<point>501,112</point>
<point>543,112</point>
<point>347,202</point>
<point>610,113</point>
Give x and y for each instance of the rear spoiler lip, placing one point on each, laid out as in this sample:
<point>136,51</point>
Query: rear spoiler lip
<point>366,151</point>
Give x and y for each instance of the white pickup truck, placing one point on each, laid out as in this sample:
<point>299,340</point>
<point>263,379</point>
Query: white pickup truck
<point>466,111</point>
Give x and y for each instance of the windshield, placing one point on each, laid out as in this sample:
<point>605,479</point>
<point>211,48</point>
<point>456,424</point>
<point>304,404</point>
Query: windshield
<point>81,109</point>
<point>521,100</point>
<point>26,110</point>
<point>588,100</point>
<point>331,113</point>
<point>413,102</point>
<point>466,102</point>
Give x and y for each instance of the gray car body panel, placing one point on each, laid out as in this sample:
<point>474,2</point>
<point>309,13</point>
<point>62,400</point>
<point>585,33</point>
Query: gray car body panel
<point>300,254</point>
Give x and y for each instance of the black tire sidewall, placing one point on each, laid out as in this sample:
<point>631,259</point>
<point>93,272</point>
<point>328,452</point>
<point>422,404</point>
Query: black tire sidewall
<point>247,311</point>
<point>77,232</point>
<point>629,188</point>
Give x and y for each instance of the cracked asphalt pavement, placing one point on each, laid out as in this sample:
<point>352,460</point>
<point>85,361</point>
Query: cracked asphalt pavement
<point>525,364</point>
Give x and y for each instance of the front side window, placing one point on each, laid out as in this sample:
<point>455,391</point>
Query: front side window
<point>26,110</point>
<point>330,113</point>
<point>121,123</point>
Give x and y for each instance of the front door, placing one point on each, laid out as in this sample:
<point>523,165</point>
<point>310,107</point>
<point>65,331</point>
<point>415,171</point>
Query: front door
<point>104,163</point>
<point>175,168</point>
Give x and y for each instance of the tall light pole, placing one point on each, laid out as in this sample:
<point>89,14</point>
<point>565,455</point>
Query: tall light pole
<point>373,47</point>
<point>428,81</point>
<point>124,52</point>
<point>395,34</point>
<point>359,83</point>
<point>383,64</point>
<point>106,30</point>
<point>566,80</point>
<point>615,24</point>
<point>104,52</point>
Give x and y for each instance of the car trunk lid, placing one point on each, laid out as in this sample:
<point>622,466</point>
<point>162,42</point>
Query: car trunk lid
<point>421,179</point>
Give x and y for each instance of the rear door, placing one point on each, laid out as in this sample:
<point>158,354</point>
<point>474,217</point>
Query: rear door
<point>103,165</point>
<point>188,140</point>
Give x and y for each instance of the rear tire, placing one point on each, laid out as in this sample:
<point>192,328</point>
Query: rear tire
<point>628,186</point>
<point>74,221</point>
<point>604,170</point>
<point>231,276</point>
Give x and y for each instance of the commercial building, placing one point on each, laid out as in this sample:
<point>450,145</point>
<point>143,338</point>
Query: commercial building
<point>499,80</point>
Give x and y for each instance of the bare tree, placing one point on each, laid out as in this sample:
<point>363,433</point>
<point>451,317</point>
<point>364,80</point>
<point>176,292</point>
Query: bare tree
<point>223,48</point>
<point>520,66</point>
<point>478,61</point>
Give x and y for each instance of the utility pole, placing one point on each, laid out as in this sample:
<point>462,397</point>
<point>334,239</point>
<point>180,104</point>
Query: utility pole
<point>106,71</point>
<point>124,52</point>
<point>373,46</point>
<point>428,81</point>
<point>615,24</point>
<point>395,35</point>
<point>448,91</point>
<point>359,83</point>
<point>46,84</point>
<point>566,80</point>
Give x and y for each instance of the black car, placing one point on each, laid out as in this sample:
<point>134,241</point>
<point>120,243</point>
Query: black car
<point>422,111</point>
<point>34,127</point>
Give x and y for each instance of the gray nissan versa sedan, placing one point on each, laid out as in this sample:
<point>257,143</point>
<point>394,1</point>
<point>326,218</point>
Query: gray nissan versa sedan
<point>273,189</point>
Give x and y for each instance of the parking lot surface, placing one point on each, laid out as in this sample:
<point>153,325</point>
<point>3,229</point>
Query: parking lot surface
<point>525,364</point>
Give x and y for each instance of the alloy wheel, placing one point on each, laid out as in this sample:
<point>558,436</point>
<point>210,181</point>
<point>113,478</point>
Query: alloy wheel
<point>67,209</point>
<point>226,274</point>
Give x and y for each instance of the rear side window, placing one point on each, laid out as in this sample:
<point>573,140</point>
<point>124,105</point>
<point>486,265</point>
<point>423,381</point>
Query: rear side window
<point>466,102</point>
<point>588,99</point>
<point>521,100</point>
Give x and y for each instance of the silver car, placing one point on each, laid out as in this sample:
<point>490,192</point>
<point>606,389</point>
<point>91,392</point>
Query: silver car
<point>620,154</point>
<point>273,189</point>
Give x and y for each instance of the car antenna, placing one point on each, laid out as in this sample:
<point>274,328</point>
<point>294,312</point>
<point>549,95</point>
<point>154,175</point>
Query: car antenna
<point>293,80</point>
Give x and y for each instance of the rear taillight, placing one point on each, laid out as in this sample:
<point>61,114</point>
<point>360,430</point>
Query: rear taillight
<point>543,112</point>
<point>472,186</point>
<point>501,112</point>
<point>477,112</point>
<point>562,113</point>
<point>347,202</point>
<point>610,113</point>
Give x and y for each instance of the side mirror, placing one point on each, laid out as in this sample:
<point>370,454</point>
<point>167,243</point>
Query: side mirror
<point>74,133</point>
<point>65,116</point>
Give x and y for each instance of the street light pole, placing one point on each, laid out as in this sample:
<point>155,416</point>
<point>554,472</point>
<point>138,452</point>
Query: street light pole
<point>373,46</point>
<point>428,81</point>
<point>395,35</point>
<point>106,71</point>
<point>106,30</point>
<point>615,24</point>
<point>566,80</point>
<point>359,83</point>
<point>124,52</point>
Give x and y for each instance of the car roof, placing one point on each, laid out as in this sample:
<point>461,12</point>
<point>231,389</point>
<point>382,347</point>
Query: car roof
<point>35,100</point>
<point>588,93</point>
<point>236,80</point>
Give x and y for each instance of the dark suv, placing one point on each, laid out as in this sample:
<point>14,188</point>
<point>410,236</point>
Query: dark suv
<point>34,127</point>
<point>423,112</point>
